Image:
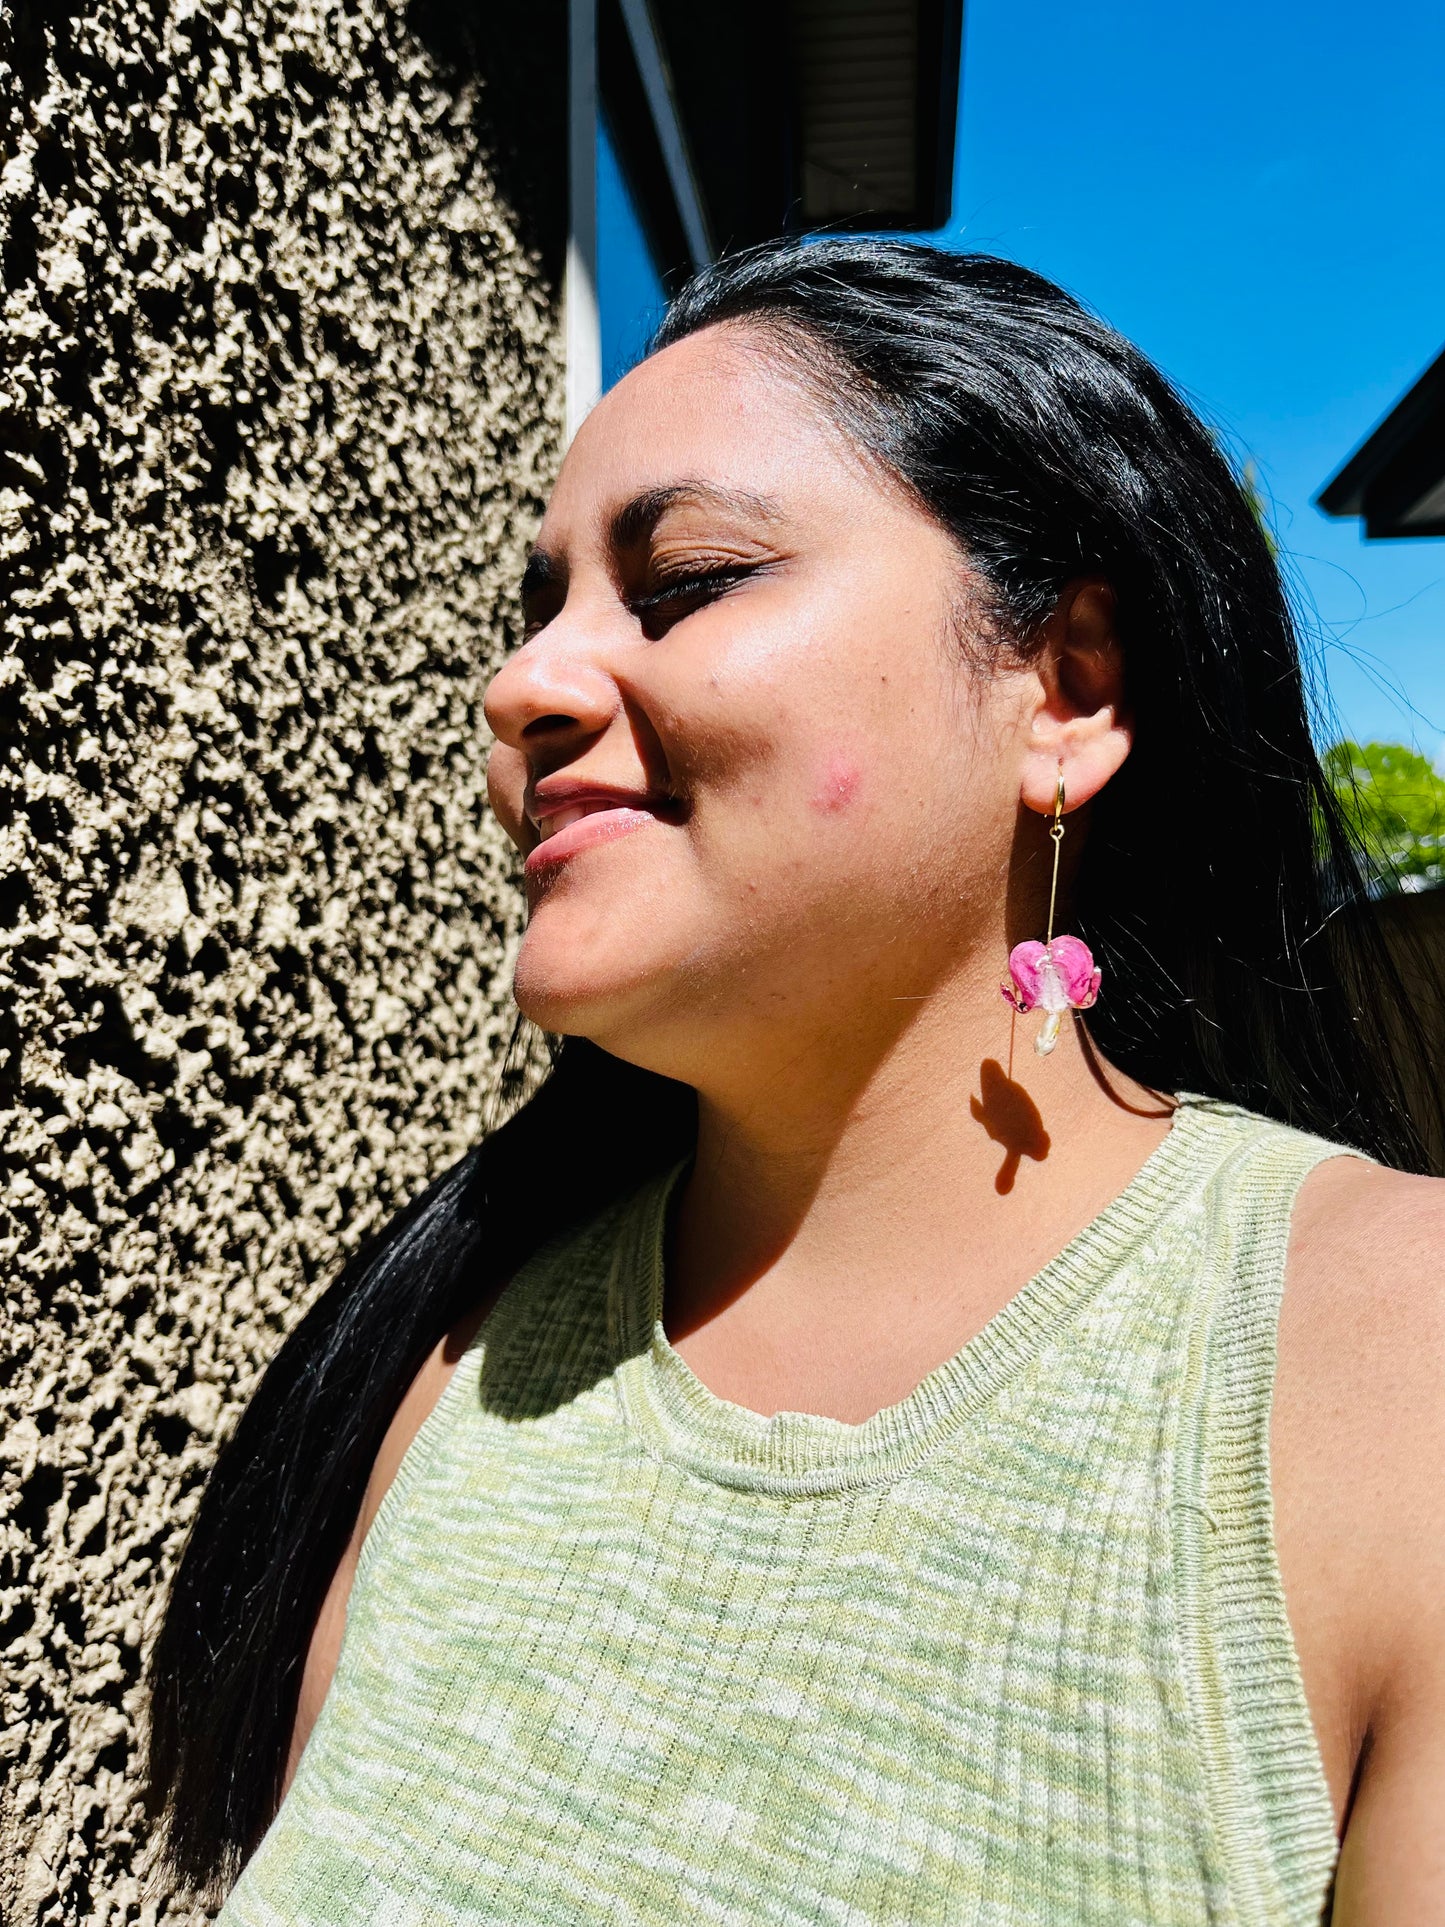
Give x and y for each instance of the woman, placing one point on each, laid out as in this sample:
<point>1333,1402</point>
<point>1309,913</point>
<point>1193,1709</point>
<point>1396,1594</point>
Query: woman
<point>814,1463</point>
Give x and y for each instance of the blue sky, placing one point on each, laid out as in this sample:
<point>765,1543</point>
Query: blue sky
<point>1255,194</point>
<point>630,296</point>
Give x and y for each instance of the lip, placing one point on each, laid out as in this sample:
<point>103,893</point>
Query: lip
<point>610,814</point>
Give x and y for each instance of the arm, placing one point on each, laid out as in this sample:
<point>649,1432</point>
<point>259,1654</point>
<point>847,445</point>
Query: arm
<point>1392,1866</point>
<point>1359,1471</point>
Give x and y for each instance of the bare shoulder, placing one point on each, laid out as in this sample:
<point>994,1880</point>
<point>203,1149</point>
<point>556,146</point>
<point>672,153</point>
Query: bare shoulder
<point>1362,1332</point>
<point>1349,1209</point>
<point>1358,1453</point>
<point>1364,1312</point>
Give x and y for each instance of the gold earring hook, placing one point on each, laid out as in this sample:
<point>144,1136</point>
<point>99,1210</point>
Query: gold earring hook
<point>1056,832</point>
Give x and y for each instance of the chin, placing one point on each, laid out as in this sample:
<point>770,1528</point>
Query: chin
<point>640,1007</point>
<point>573,996</point>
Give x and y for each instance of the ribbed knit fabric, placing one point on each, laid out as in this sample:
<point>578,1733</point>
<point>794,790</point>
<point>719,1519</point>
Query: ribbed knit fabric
<point>1013,1652</point>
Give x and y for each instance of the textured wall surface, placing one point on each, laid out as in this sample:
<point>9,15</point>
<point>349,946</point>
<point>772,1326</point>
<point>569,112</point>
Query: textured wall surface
<point>279,402</point>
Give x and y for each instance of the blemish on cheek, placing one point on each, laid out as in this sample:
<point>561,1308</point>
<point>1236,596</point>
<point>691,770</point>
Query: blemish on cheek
<point>838,786</point>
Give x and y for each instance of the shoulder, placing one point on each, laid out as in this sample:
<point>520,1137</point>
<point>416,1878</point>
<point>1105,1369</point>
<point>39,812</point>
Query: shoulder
<point>1362,1332</point>
<point>1363,1321</point>
<point>1358,1450</point>
<point>1356,1223</point>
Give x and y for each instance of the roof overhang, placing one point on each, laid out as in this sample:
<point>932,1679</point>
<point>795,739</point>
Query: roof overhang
<point>1395,479</point>
<point>794,115</point>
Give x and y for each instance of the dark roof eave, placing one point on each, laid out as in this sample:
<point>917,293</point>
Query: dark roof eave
<point>1410,441</point>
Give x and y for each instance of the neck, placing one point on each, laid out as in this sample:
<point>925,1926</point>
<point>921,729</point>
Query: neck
<point>913,1187</point>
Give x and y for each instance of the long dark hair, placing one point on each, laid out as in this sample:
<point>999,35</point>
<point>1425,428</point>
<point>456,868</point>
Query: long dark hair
<point>1219,890</point>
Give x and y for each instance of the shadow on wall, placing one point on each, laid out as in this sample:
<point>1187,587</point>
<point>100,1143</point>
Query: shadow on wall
<point>279,405</point>
<point>510,63</point>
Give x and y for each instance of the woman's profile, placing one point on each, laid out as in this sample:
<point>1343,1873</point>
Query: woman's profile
<point>856,1446</point>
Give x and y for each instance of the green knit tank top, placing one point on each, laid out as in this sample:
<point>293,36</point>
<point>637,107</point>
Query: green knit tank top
<point>1012,1653</point>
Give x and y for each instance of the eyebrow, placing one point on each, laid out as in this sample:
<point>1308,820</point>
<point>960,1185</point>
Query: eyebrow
<point>636,519</point>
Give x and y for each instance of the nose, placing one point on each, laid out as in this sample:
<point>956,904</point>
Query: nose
<point>556,687</point>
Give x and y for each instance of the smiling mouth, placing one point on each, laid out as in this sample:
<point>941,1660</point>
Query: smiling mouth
<point>573,827</point>
<point>563,819</point>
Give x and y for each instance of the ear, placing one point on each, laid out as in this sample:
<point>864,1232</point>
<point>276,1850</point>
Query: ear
<point>1078,718</point>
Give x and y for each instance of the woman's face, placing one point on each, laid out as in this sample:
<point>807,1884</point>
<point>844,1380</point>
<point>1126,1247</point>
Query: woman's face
<point>759,794</point>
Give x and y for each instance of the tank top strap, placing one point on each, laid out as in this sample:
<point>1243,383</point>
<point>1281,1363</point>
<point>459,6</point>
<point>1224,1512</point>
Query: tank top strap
<point>1263,1775</point>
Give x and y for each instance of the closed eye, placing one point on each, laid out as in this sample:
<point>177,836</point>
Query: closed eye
<point>660,608</point>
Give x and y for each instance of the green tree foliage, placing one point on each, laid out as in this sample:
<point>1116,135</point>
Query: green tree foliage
<point>1396,805</point>
<point>1254,495</point>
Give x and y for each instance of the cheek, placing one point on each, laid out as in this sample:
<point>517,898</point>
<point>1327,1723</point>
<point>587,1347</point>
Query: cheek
<point>837,785</point>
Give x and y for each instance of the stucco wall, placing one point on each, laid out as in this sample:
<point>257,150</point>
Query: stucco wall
<point>279,401</point>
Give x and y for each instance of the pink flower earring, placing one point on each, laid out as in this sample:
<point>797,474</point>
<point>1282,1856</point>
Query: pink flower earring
<point>1058,974</point>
